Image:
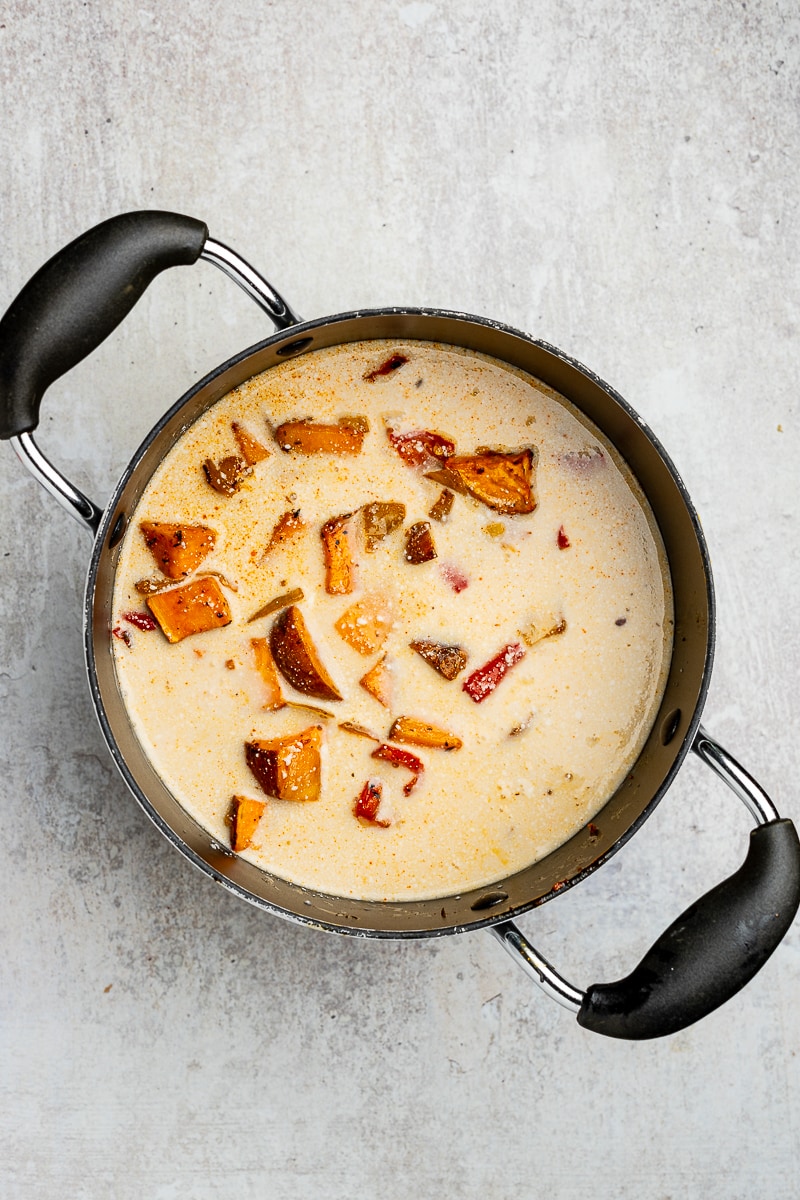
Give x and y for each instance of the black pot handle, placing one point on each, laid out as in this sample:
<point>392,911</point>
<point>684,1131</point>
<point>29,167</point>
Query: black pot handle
<point>78,298</point>
<point>712,950</point>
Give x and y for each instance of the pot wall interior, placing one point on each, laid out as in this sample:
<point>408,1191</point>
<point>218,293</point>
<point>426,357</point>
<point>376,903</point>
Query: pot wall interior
<point>672,731</point>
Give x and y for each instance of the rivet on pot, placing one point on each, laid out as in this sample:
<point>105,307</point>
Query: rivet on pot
<point>670,726</point>
<point>294,347</point>
<point>118,529</point>
<point>489,900</point>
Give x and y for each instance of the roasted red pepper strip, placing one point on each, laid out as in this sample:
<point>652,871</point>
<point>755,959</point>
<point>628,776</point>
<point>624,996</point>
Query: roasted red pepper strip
<point>368,803</point>
<point>141,620</point>
<point>562,539</point>
<point>482,682</point>
<point>386,368</point>
<point>401,758</point>
<point>417,447</point>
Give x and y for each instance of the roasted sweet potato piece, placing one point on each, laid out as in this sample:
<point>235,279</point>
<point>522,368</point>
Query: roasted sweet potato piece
<point>365,625</point>
<point>542,628</point>
<point>227,475</point>
<point>503,482</point>
<point>441,510</point>
<point>419,543</point>
<point>449,661</point>
<point>177,549</point>
<point>252,450</point>
<point>378,682</point>
<point>358,423</point>
<point>288,768</point>
<point>307,437</point>
<point>242,819</point>
<point>265,665</point>
<point>380,520</point>
<point>286,527</point>
<point>422,733</point>
<point>297,659</point>
<point>338,555</point>
<point>194,608</point>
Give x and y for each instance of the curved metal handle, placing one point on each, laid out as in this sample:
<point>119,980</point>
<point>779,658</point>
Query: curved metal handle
<point>77,299</point>
<point>712,950</point>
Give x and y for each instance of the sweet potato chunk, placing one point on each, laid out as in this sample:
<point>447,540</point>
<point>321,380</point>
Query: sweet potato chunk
<point>265,665</point>
<point>338,555</point>
<point>242,819</point>
<point>441,510</point>
<point>378,682</point>
<point>419,543</point>
<point>365,625</point>
<point>252,450</point>
<point>297,659</point>
<point>449,661</point>
<point>286,527</point>
<point>194,608</point>
<point>542,628</point>
<point>288,768</point>
<point>503,482</point>
<point>177,549</point>
<point>380,520</point>
<point>422,733</point>
<point>227,475</point>
<point>307,437</point>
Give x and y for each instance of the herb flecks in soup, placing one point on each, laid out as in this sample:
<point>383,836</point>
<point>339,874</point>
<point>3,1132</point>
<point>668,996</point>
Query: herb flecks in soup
<point>396,620</point>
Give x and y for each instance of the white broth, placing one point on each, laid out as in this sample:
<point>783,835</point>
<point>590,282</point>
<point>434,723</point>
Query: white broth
<point>541,752</point>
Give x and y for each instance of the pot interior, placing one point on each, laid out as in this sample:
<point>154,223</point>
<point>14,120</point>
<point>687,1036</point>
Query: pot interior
<point>669,739</point>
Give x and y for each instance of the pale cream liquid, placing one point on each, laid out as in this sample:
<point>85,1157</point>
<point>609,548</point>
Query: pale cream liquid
<point>590,695</point>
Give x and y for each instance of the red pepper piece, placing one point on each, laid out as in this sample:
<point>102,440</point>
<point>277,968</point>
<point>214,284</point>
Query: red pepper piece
<point>141,620</point>
<point>454,576</point>
<point>123,635</point>
<point>482,682</point>
<point>416,448</point>
<point>562,539</point>
<point>386,368</point>
<point>368,803</point>
<point>401,758</point>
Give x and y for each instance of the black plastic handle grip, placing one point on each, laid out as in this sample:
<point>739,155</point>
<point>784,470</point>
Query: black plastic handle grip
<point>711,951</point>
<point>78,298</point>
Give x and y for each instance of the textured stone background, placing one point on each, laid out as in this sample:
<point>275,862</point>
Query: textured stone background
<point>617,178</point>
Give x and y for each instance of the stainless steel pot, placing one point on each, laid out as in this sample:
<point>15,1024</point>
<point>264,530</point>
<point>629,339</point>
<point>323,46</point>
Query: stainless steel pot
<point>79,297</point>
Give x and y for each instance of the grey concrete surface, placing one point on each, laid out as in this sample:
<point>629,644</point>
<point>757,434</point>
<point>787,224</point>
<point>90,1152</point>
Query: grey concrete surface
<point>617,178</point>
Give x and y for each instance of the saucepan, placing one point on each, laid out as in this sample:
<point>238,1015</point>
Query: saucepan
<point>721,941</point>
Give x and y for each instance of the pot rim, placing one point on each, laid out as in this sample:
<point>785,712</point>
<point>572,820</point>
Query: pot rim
<point>112,527</point>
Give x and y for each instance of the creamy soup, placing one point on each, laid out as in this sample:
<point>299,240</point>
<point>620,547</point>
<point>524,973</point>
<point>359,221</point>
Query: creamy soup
<point>465,625</point>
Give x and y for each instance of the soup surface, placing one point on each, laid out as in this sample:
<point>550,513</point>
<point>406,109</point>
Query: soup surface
<point>468,622</point>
